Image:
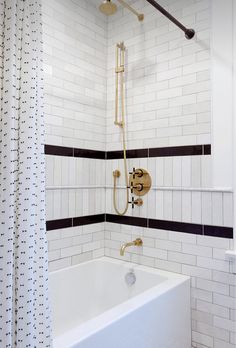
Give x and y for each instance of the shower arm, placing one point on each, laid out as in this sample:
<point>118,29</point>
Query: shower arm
<point>131,9</point>
<point>189,33</point>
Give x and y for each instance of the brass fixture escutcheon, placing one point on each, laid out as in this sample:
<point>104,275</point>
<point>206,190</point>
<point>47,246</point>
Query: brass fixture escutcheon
<point>116,173</point>
<point>138,202</point>
<point>140,184</point>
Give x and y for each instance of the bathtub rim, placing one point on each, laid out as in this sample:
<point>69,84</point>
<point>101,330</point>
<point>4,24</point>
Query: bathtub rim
<point>81,332</point>
<point>126,264</point>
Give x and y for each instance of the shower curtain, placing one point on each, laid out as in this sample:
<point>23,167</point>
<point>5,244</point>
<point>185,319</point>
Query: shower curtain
<point>24,308</point>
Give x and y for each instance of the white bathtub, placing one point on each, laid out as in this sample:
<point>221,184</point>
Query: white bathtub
<point>93,307</point>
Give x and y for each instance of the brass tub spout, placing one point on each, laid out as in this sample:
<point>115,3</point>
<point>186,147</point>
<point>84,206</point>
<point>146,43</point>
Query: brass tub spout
<point>136,242</point>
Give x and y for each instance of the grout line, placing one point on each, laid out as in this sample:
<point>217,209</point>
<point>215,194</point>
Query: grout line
<point>157,188</point>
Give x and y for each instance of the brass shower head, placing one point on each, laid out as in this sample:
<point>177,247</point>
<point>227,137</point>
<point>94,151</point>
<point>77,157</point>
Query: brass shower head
<point>108,7</point>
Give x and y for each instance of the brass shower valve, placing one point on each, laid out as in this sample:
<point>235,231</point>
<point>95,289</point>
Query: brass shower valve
<point>140,182</point>
<point>138,187</point>
<point>138,172</point>
<point>138,202</point>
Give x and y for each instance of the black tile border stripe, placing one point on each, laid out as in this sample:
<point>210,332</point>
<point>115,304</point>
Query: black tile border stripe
<point>58,224</point>
<point>127,220</point>
<point>196,150</point>
<point>135,153</point>
<point>88,220</point>
<point>58,150</point>
<point>207,149</point>
<point>171,151</point>
<point>216,231</point>
<point>85,153</point>
<point>73,222</point>
<point>175,226</point>
<point>74,152</point>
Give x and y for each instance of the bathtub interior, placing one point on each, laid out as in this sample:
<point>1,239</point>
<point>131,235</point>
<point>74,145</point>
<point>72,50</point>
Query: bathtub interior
<point>99,286</point>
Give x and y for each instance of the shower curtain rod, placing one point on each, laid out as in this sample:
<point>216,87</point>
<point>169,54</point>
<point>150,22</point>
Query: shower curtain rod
<point>189,33</point>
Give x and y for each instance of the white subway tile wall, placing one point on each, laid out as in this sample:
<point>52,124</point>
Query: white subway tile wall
<point>75,69</point>
<point>75,187</point>
<point>177,192</point>
<point>74,245</point>
<point>75,65</point>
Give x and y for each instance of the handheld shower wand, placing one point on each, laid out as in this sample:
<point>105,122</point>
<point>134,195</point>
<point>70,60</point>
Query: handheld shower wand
<point>120,69</point>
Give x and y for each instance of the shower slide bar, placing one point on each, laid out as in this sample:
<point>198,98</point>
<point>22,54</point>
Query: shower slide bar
<point>189,33</point>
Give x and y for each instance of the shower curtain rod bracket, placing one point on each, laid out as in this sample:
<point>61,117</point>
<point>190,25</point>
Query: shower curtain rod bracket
<point>189,33</point>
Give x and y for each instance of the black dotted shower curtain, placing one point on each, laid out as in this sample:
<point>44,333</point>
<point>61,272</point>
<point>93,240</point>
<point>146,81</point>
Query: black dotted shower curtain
<point>24,308</point>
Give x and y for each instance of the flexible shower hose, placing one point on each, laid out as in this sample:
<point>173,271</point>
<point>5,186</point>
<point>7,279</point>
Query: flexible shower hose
<point>121,213</point>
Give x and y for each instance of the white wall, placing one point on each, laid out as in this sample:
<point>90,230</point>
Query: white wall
<point>222,92</point>
<point>70,246</point>
<point>75,55</point>
<point>75,51</point>
<point>234,120</point>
